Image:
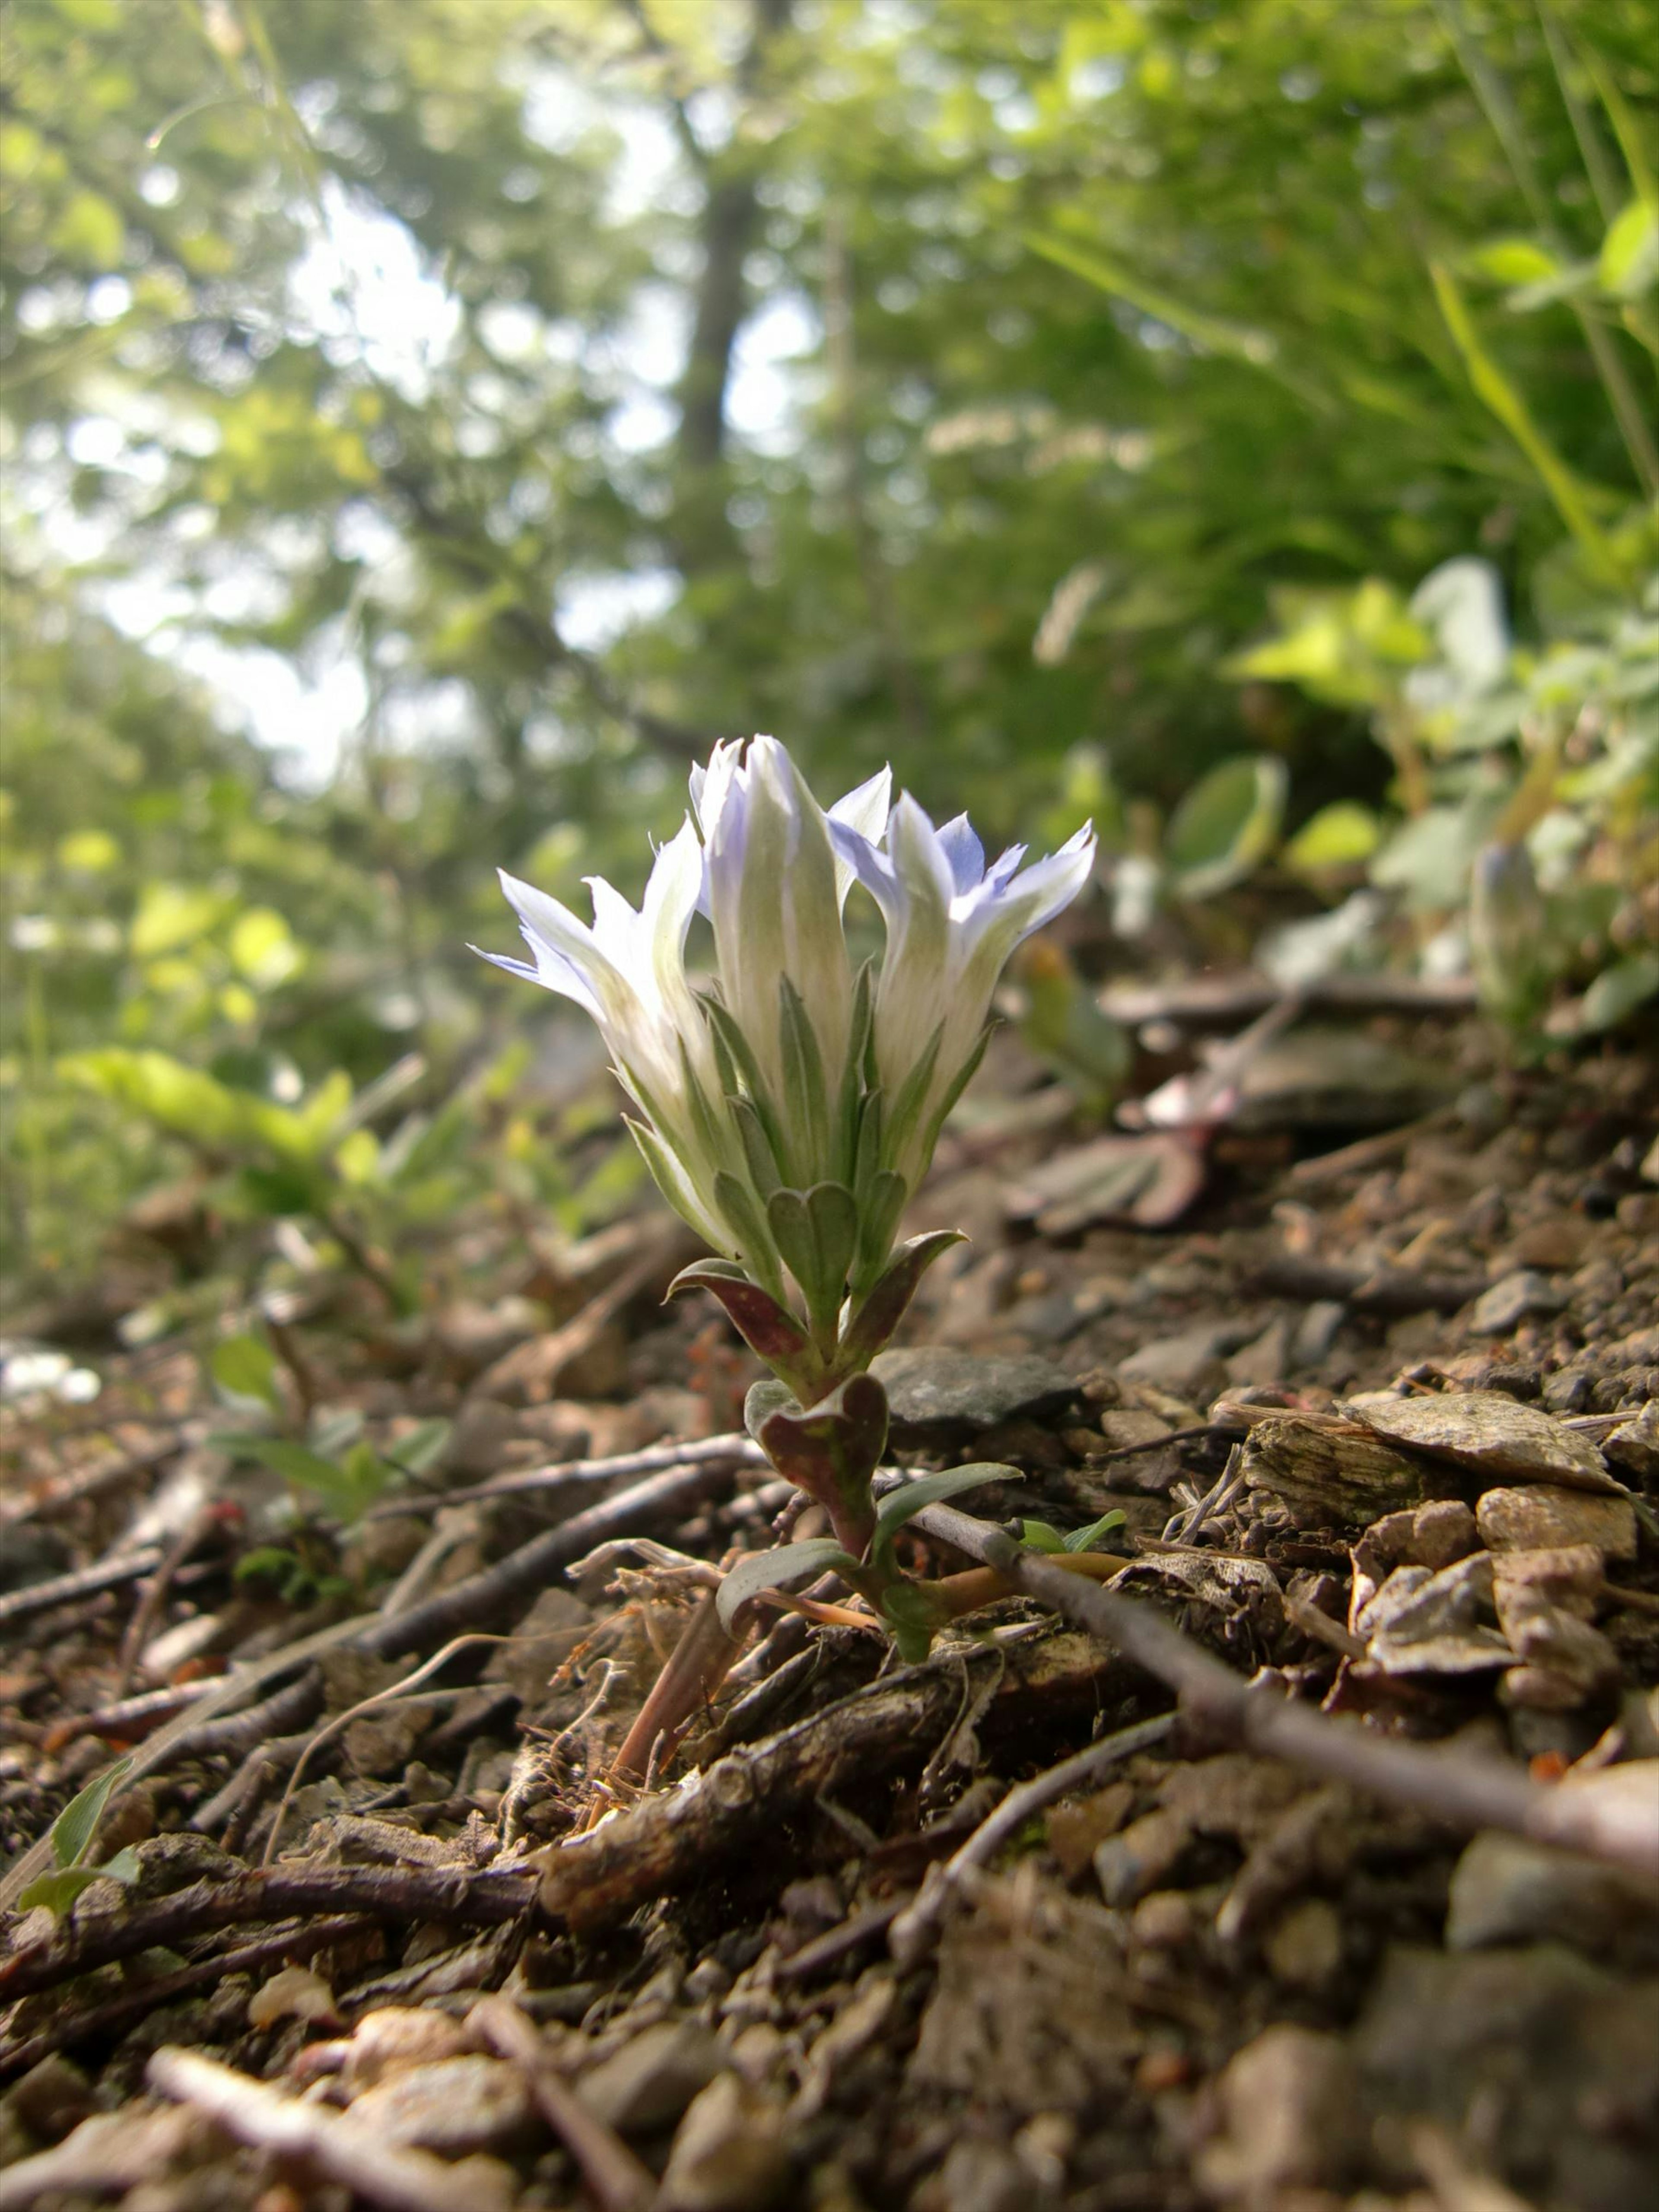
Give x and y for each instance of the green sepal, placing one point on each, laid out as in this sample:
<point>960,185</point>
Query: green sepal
<point>849,1105</point>
<point>954,1090</point>
<point>713,1140</point>
<point>738,1203</point>
<point>735,1057</point>
<point>867,1150</point>
<point>765,1170</point>
<point>815,1233</point>
<point>659,1160</point>
<point>883,1206</point>
<point>912,1092</point>
<point>805,1098</point>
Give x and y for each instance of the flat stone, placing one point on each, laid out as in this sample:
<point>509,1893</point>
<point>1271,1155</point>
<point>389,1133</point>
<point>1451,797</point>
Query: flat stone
<point>1316,1331</point>
<point>1513,1300</point>
<point>1505,1889</point>
<point>934,1387</point>
<point>1544,1517</point>
<point>1266,1359</point>
<point>653,2077</point>
<point>455,2105</point>
<point>1424,1623</point>
<point>1491,1434</point>
<point>729,2152</point>
<point>1640,1349</point>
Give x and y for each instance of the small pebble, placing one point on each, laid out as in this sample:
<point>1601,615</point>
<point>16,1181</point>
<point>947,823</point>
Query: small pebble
<point>1510,1302</point>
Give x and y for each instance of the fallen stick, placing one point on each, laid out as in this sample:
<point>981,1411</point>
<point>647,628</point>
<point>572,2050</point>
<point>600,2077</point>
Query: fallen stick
<point>669,1839</point>
<point>339,2148</point>
<point>1461,1788</point>
<point>734,1449</point>
<point>62,1492</point>
<point>618,2181</point>
<point>84,1582</point>
<point>477,1898</point>
<point>1394,1292</point>
<point>1206,1001</point>
<point>294,1941</point>
<point>535,1564</point>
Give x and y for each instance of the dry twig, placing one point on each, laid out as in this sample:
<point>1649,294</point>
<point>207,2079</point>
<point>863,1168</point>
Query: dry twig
<point>1467,1792</point>
<point>913,1928</point>
<point>618,2181</point>
<point>339,2147</point>
<point>296,1940</point>
<point>477,1898</point>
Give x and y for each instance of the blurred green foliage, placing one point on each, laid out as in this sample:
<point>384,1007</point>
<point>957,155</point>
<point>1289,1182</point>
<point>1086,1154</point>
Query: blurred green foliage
<point>492,405</point>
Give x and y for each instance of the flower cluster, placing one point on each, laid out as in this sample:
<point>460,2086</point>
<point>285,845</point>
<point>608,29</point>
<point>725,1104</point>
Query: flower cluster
<point>789,1109</point>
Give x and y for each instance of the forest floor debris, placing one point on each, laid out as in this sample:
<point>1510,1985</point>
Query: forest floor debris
<point>1000,1929</point>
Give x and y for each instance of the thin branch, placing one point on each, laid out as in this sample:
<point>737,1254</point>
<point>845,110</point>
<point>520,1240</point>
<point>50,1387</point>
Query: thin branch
<point>913,1928</point>
<point>360,2158</point>
<point>85,1582</point>
<point>477,1899</point>
<point>291,1942</point>
<point>1460,1788</point>
<point>536,1563</point>
<point>734,1449</point>
<point>617,2179</point>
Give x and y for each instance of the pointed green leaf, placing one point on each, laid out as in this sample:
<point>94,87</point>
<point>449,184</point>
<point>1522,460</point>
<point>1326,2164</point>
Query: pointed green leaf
<point>765,1170</point>
<point>911,1095</point>
<point>246,1367</point>
<point>777,1570</point>
<point>737,1202</point>
<point>882,1309</point>
<point>805,1100</point>
<point>881,1211</point>
<point>1084,1539</point>
<point>899,1506</point>
<point>73,1830</point>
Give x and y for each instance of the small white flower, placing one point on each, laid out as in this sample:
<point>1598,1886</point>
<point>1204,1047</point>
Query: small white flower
<point>774,888</point>
<point>952,926</point>
<point>628,971</point>
<point>764,1123</point>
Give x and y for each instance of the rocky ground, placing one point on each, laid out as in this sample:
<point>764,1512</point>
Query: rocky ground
<point>1380,1412</point>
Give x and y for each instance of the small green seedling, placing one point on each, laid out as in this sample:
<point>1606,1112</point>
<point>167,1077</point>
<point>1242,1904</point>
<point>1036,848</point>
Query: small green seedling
<point>71,1839</point>
<point>1044,1538</point>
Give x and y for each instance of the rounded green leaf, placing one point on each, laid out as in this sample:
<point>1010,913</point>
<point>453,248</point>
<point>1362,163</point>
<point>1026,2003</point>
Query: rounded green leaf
<point>1226,825</point>
<point>246,1367</point>
<point>1343,835</point>
<point>1618,991</point>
